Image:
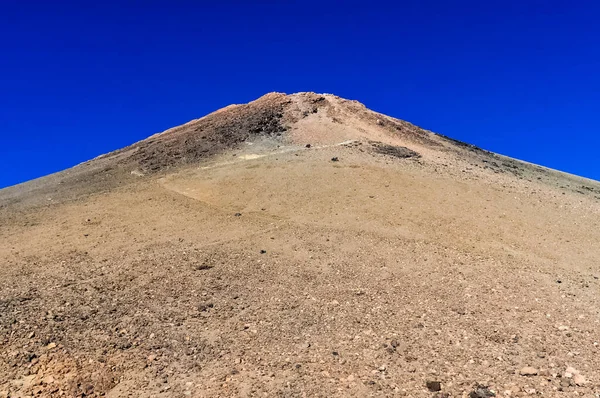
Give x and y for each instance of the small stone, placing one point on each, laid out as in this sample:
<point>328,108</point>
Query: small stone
<point>151,358</point>
<point>335,159</point>
<point>238,214</point>
<point>571,371</point>
<point>48,380</point>
<point>382,368</point>
<point>434,386</point>
<point>304,346</point>
<point>563,328</point>
<point>263,252</point>
<point>579,380</point>
<point>528,371</point>
<point>31,335</point>
<point>481,391</point>
<point>350,378</point>
<point>307,145</point>
<point>51,346</point>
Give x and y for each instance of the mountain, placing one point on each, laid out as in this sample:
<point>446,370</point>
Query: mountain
<point>300,245</point>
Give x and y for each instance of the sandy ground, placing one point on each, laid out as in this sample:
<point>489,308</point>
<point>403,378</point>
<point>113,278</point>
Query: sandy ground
<point>271,270</point>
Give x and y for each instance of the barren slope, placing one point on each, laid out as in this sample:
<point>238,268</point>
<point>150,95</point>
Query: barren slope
<point>226,258</point>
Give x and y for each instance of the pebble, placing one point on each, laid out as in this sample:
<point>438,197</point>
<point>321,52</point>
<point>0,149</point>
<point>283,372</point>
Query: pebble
<point>304,346</point>
<point>434,386</point>
<point>528,371</point>
<point>579,380</point>
<point>51,346</point>
<point>570,371</point>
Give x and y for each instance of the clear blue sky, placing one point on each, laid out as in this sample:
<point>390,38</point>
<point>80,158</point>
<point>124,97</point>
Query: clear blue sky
<point>78,79</point>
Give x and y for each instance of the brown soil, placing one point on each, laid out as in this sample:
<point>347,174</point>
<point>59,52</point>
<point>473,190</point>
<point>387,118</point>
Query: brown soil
<point>226,258</point>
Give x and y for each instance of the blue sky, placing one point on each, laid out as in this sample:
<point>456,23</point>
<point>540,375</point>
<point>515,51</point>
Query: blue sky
<point>79,79</point>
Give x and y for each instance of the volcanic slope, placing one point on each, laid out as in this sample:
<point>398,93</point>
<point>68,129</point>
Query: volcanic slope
<point>300,246</point>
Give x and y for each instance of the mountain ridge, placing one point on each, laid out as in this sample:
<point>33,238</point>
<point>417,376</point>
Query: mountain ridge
<point>300,245</point>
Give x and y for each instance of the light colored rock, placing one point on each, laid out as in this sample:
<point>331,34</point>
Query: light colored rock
<point>528,371</point>
<point>579,380</point>
<point>571,370</point>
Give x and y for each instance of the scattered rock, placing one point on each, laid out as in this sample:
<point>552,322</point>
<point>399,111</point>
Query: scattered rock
<point>307,145</point>
<point>205,307</point>
<point>335,159</point>
<point>570,371</point>
<point>263,252</point>
<point>395,151</point>
<point>528,371</point>
<point>481,391</point>
<point>304,346</point>
<point>238,214</point>
<point>434,386</point>
<point>579,380</point>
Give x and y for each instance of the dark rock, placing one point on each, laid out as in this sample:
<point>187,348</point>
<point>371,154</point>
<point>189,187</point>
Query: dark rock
<point>205,307</point>
<point>335,159</point>
<point>238,214</point>
<point>395,151</point>
<point>481,392</point>
<point>434,386</point>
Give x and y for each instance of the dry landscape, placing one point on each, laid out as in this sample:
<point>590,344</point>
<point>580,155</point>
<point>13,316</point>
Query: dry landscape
<point>300,246</point>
